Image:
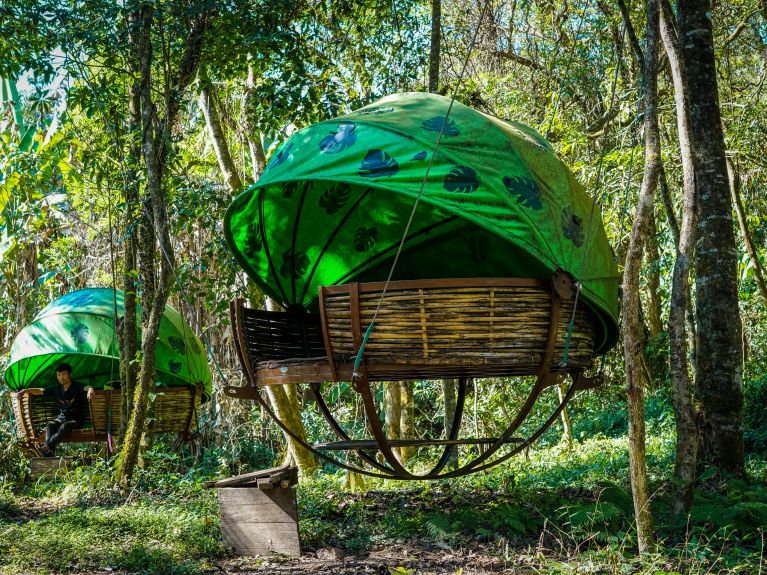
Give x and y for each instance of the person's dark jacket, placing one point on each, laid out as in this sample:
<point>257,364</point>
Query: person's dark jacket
<point>73,402</point>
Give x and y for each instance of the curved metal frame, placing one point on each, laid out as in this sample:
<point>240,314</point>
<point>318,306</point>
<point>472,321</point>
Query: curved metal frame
<point>394,469</point>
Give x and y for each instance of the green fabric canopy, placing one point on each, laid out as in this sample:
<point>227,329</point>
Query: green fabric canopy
<point>79,329</point>
<point>333,203</point>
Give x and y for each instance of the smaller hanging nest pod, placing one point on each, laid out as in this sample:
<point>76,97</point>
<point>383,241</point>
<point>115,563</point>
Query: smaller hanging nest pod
<point>79,329</point>
<point>503,269</point>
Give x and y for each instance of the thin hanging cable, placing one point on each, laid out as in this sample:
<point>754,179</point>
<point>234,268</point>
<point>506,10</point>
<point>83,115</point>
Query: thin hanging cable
<point>369,330</point>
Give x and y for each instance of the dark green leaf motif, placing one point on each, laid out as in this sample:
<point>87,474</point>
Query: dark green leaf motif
<point>335,198</point>
<point>377,164</point>
<point>572,227</point>
<point>462,179</point>
<point>525,190</point>
<point>280,156</point>
<point>174,366</point>
<point>365,238</point>
<point>419,156</point>
<point>338,142</point>
<point>289,189</point>
<point>80,333</point>
<point>435,125</point>
<point>194,346</point>
<point>254,241</point>
<point>177,344</point>
<point>299,264</point>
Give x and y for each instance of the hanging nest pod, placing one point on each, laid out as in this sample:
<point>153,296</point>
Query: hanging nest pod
<point>502,269</point>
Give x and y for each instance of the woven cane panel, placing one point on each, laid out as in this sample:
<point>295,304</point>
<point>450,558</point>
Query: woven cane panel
<point>479,331</point>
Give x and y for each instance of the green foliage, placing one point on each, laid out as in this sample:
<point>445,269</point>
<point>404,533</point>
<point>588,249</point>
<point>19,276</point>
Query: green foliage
<point>755,415</point>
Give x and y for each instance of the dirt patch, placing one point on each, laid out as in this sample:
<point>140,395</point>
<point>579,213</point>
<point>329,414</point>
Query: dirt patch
<point>399,559</point>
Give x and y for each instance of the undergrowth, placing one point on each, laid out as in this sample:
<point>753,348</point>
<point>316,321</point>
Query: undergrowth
<point>566,511</point>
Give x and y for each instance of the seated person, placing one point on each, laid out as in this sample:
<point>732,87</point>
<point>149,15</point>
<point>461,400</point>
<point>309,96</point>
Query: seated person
<point>72,402</point>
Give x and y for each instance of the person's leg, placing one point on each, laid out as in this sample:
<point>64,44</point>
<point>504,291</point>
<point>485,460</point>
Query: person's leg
<point>52,428</point>
<point>64,429</point>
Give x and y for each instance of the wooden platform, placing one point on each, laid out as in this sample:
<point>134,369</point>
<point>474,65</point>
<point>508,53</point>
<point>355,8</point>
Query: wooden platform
<point>50,465</point>
<point>259,513</point>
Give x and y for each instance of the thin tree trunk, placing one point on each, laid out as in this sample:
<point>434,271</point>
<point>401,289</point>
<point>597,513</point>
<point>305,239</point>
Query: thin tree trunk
<point>252,134</point>
<point>155,147</point>
<point>450,399</point>
<point>284,400</point>
<point>652,257</point>
<point>681,382</point>
<point>734,178</point>
<point>128,331</point>
<point>207,102</point>
<point>407,418</point>
<point>393,412</point>
<point>436,37</point>
<point>633,328</point>
<point>564,417</point>
<point>719,355</point>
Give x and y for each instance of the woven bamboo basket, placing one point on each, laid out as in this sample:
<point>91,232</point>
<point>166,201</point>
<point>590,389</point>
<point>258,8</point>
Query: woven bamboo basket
<point>451,328</point>
<point>172,409</point>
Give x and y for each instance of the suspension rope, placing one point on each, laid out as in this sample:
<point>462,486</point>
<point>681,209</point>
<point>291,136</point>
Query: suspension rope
<point>358,359</point>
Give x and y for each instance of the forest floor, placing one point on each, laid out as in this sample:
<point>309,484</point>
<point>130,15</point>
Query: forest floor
<point>556,511</point>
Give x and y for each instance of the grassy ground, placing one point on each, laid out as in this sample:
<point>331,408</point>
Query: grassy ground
<point>555,511</point>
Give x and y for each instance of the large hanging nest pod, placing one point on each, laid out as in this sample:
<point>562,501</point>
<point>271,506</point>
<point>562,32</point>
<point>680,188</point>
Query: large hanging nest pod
<point>504,269</point>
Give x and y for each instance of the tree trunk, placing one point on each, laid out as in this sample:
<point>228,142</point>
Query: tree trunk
<point>286,407</point>
<point>207,102</point>
<point>652,258</point>
<point>407,418</point>
<point>436,37</point>
<point>252,134</point>
<point>450,399</point>
<point>564,417</point>
<point>128,331</point>
<point>284,400</point>
<point>681,382</point>
<point>719,355</point>
<point>156,139</point>
<point>393,412</point>
<point>633,328</point>
<point>734,178</point>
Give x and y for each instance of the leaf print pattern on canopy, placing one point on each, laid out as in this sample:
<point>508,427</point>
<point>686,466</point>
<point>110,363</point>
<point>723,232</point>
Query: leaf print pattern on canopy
<point>174,366</point>
<point>254,240</point>
<point>572,227</point>
<point>365,238</point>
<point>301,261</point>
<point>435,125</point>
<point>419,156</point>
<point>177,344</point>
<point>80,333</point>
<point>280,156</point>
<point>194,346</point>
<point>289,189</point>
<point>378,163</point>
<point>462,179</point>
<point>525,190</point>
<point>335,198</point>
<point>338,142</point>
